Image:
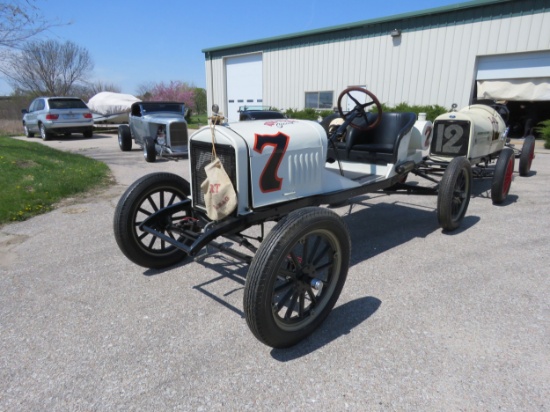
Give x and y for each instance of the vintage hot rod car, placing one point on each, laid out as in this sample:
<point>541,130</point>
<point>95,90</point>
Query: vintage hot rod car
<point>158,127</point>
<point>283,171</point>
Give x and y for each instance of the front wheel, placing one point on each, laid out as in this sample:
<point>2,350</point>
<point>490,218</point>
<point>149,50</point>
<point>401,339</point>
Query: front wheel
<point>28,133</point>
<point>502,179</point>
<point>149,150</point>
<point>296,276</point>
<point>143,198</point>
<point>454,193</point>
<point>527,155</point>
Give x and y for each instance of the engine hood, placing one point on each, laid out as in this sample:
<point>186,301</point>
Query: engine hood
<point>302,134</point>
<point>284,158</point>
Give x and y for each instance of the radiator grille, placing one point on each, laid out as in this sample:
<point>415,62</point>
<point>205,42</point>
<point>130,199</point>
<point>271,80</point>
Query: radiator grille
<point>450,138</point>
<point>178,134</point>
<point>201,155</point>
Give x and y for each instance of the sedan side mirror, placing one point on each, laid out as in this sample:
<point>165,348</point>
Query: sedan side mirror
<point>24,111</point>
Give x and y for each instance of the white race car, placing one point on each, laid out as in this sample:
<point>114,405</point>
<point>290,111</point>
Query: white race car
<point>283,170</point>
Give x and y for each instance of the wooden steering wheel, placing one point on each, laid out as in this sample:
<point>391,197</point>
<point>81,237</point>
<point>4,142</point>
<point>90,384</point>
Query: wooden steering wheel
<point>359,110</point>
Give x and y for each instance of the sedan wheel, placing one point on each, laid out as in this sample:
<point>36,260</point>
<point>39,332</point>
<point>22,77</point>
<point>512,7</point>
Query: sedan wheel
<point>44,134</point>
<point>28,133</point>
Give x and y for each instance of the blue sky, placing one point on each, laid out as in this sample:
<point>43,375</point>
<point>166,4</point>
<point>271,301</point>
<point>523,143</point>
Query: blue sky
<point>142,41</point>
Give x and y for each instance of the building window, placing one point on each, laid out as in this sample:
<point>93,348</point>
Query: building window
<point>319,100</point>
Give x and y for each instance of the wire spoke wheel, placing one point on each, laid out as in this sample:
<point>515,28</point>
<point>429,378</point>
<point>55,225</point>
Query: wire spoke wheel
<point>299,289</point>
<point>296,276</point>
<point>145,197</point>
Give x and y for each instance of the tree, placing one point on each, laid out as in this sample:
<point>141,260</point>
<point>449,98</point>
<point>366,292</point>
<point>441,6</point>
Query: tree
<point>90,89</point>
<point>48,67</point>
<point>174,90</point>
<point>200,100</point>
<point>19,21</point>
<point>144,90</point>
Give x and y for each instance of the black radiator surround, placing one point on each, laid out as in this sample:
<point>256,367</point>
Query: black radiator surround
<point>200,154</point>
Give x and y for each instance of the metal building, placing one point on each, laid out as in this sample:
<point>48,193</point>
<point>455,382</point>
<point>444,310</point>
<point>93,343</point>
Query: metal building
<point>494,49</point>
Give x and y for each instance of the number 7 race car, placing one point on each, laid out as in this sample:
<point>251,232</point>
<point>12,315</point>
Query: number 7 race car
<point>283,170</point>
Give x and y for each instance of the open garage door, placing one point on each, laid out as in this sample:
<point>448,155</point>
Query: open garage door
<point>514,77</point>
<point>522,80</point>
<point>518,89</point>
<point>244,83</point>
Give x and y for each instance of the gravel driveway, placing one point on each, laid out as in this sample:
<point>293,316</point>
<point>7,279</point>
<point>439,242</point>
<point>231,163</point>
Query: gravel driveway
<point>427,321</point>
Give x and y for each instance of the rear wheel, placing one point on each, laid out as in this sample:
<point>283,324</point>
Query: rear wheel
<point>143,198</point>
<point>296,276</point>
<point>454,193</point>
<point>88,132</point>
<point>44,134</point>
<point>527,155</point>
<point>502,179</point>
<point>124,138</point>
<point>149,150</point>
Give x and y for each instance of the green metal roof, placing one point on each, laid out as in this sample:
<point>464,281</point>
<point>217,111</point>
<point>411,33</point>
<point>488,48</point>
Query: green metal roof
<point>429,18</point>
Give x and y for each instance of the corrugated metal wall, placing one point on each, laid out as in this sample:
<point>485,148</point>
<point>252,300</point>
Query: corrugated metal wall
<point>433,62</point>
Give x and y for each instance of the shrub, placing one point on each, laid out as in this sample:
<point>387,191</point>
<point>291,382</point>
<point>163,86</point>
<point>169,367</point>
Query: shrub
<point>325,113</point>
<point>307,114</point>
<point>544,129</point>
<point>432,111</point>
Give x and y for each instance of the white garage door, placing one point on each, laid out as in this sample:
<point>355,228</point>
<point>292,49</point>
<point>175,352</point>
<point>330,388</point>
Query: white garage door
<point>520,76</point>
<point>244,83</point>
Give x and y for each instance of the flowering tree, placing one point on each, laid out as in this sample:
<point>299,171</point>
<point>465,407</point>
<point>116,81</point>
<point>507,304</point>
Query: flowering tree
<point>174,90</point>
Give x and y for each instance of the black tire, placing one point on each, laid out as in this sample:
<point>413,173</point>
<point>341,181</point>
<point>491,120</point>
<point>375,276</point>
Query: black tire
<point>502,179</point>
<point>88,133</point>
<point>527,155</point>
<point>145,196</point>
<point>149,150</point>
<point>281,305</point>
<point>454,193</point>
<point>44,134</point>
<point>124,138</point>
<point>28,133</point>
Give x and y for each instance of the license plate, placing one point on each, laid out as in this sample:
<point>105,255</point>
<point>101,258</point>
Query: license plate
<point>69,116</point>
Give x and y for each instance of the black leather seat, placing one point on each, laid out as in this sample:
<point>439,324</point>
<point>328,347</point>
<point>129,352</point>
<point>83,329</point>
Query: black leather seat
<point>380,145</point>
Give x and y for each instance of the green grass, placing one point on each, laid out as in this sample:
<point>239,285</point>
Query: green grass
<point>34,177</point>
<point>196,120</point>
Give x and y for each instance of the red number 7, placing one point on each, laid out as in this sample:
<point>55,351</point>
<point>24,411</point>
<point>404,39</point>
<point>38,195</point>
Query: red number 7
<point>269,180</point>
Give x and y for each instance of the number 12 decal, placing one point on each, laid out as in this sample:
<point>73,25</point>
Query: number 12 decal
<point>451,138</point>
<point>269,180</point>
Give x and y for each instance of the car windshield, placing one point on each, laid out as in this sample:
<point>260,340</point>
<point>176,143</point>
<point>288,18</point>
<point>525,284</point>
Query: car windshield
<point>162,107</point>
<point>67,104</point>
<point>266,115</point>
